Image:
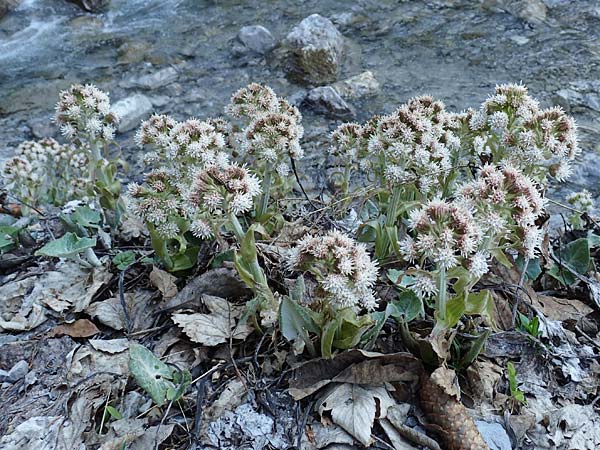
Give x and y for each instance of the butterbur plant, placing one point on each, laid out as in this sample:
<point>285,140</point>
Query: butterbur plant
<point>345,275</point>
<point>582,204</point>
<point>45,173</point>
<point>270,135</point>
<point>84,116</point>
<point>510,127</point>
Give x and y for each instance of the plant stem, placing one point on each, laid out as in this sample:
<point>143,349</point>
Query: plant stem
<point>237,227</point>
<point>264,199</point>
<point>442,294</point>
<point>393,204</point>
<point>91,257</point>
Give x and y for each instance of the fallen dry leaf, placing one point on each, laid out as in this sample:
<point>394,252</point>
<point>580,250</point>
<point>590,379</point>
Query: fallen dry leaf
<point>353,366</point>
<point>164,282</point>
<point>223,282</point>
<point>215,328</point>
<point>354,407</point>
<point>79,329</point>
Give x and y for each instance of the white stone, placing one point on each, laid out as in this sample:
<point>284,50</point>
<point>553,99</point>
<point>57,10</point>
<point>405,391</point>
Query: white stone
<point>131,111</point>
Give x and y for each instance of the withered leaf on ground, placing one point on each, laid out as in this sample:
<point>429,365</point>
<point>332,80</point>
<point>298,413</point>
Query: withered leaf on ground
<point>110,312</point>
<point>164,282</point>
<point>354,407</point>
<point>68,288</point>
<point>354,366</point>
<point>215,328</point>
<point>79,329</point>
<point>223,282</point>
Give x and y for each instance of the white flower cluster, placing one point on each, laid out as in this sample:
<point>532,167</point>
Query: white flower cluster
<point>507,204</point>
<point>273,127</point>
<point>347,142</point>
<point>418,143</point>
<point>158,203</point>
<point>46,172</point>
<point>179,151</point>
<point>447,234</point>
<point>342,267</point>
<point>217,191</point>
<point>84,110</point>
<point>183,147</point>
<point>510,128</point>
<point>581,201</point>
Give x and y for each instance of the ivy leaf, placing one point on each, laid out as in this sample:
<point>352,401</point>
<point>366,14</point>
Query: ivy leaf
<point>123,260</point>
<point>67,246</point>
<point>8,237</point>
<point>534,268</point>
<point>86,217</point>
<point>407,307</point>
<point>153,375</point>
<point>575,256</point>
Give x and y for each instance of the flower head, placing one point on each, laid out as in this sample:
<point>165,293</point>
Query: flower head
<point>445,233</point>
<point>84,110</point>
<point>219,190</point>
<point>342,267</point>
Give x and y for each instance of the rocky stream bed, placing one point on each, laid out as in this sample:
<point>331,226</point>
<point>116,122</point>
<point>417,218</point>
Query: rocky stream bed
<point>185,58</point>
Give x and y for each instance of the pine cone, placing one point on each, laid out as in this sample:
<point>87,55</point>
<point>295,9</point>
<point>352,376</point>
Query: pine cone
<point>449,417</point>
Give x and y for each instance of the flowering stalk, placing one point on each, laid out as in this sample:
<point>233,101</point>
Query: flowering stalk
<point>83,113</point>
<point>442,287</point>
<point>263,203</point>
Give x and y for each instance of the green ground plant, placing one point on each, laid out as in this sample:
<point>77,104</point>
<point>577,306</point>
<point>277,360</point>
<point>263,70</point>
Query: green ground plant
<point>448,196</point>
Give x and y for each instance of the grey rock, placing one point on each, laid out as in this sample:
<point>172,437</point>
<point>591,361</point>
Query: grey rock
<point>316,47</point>
<point>41,128</point>
<point>361,85</point>
<point>494,434</point>
<point>18,371</point>
<point>92,5</point>
<point>131,111</point>
<point>297,97</point>
<point>519,40</point>
<point>155,80</point>
<point>160,100</point>
<point>31,378</point>
<point>3,375</point>
<point>326,100</point>
<point>8,5</point>
<point>257,38</point>
<point>531,11</point>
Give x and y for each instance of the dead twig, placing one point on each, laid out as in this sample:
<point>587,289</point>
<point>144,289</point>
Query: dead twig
<point>200,392</point>
<point>123,302</point>
<point>156,441</point>
<point>303,424</point>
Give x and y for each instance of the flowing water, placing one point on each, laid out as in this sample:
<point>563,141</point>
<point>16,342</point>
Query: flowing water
<point>456,50</point>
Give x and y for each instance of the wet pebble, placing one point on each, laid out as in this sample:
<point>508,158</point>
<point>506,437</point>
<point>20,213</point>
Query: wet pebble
<point>132,110</point>
<point>362,85</point>
<point>154,80</point>
<point>18,371</point>
<point>494,434</point>
<point>326,100</point>
<point>257,39</point>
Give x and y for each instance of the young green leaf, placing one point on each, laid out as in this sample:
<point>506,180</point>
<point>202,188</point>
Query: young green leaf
<point>114,413</point>
<point>153,375</point>
<point>123,260</point>
<point>67,246</point>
